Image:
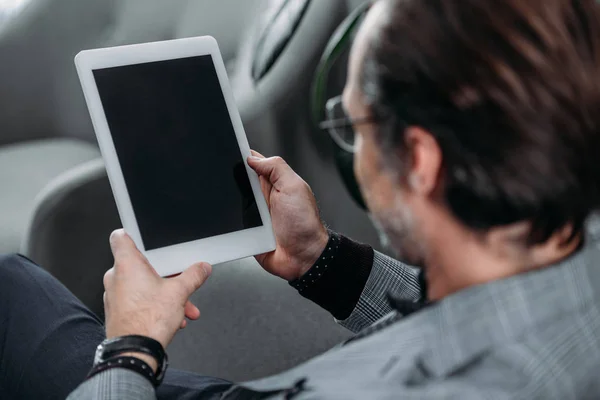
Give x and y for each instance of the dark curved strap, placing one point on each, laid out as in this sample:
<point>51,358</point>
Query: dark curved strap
<point>276,35</point>
<point>337,45</point>
<point>340,41</point>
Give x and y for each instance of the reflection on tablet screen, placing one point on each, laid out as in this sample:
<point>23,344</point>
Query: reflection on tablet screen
<point>177,148</point>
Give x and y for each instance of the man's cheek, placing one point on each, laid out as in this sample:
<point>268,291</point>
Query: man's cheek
<point>357,169</point>
<point>361,170</point>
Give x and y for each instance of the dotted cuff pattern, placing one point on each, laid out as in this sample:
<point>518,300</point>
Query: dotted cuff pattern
<point>321,266</point>
<point>335,282</point>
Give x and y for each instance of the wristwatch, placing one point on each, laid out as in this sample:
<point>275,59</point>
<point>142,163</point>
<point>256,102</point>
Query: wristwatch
<point>110,348</point>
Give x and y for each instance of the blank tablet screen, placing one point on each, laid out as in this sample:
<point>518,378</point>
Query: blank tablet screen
<point>178,151</point>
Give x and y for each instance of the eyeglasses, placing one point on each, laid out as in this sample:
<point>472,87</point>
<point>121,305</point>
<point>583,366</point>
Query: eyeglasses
<point>340,126</point>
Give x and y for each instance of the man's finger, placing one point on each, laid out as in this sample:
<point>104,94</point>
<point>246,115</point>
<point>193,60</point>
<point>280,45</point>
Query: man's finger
<point>122,246</point>
<point>127,255</point>
<point>256,154</point>
<point>265,185</point>
<point>192,278</point>
<point>108,277</point>
<point>183,324</point>
<point>274,169</point>
<point>191,311</point>
<point>265,188</point>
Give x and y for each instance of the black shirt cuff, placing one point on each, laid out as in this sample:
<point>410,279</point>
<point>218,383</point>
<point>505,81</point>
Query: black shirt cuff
<point>336,281</point>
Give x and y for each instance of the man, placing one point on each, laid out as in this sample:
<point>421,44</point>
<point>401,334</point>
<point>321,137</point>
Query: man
<point>476,142</point>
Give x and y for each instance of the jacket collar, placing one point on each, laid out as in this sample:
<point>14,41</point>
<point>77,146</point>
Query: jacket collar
<point>473,320</point>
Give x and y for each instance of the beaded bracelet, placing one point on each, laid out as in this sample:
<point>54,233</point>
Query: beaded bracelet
<point>126,362</point>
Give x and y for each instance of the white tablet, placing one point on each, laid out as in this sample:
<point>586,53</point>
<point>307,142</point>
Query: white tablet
<point>175,151</point>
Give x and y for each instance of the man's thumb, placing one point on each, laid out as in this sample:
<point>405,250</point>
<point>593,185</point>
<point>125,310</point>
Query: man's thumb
<point>260,165</point>
<point>273,169</point>
<point>121,245</point>
<point>192,278</point>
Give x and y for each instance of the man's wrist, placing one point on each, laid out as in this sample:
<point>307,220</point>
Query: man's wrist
<point>143,348</point>
<point>313,253</point>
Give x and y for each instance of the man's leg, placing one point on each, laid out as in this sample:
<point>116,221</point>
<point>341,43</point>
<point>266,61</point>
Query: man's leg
<point>47,336</point>
<point>48,339</point>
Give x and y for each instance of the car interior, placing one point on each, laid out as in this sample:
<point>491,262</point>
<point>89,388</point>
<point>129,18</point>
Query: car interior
<point>284,57</point>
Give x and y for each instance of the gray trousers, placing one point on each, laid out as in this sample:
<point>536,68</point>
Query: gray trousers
<point>48,339</point>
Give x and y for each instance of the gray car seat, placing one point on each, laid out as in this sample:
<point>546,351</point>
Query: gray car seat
<point>252,324</point>
<point>45,128</point>
<point>25,169</point>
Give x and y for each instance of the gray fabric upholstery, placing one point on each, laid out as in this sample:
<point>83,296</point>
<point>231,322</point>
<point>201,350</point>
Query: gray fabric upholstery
<point>37,45</point>
<point>41,95</point>
<point>226,20</point>
<point>252,323</point>
<point>25,169</point>
<point>68,232</point>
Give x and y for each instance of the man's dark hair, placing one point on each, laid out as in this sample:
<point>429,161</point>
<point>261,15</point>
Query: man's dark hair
<point>510,89</point>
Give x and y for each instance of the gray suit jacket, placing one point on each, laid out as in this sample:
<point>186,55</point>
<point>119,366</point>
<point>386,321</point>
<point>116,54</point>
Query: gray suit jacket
<point>531,336</point>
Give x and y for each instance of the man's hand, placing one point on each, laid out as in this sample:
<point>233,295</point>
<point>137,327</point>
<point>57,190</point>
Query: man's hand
<point>301,236</point>
<point>138,301</point>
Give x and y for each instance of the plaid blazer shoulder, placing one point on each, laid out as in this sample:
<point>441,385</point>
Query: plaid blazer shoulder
<point>387,276</point>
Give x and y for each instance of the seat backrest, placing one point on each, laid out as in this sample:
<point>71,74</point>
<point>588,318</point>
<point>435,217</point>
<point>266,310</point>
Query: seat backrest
<point>69,230</point>
<point>252,325</point>
<point>41,95</point>
<point>36,42</point>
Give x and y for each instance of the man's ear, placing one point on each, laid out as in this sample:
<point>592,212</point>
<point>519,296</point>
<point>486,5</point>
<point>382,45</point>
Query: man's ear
<point>425,160</point>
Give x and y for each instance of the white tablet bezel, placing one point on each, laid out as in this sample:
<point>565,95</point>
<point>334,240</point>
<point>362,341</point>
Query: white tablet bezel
<point>172,259</point>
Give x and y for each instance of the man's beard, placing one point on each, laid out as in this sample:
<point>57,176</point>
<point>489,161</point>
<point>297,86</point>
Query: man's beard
<point>397,234</point>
